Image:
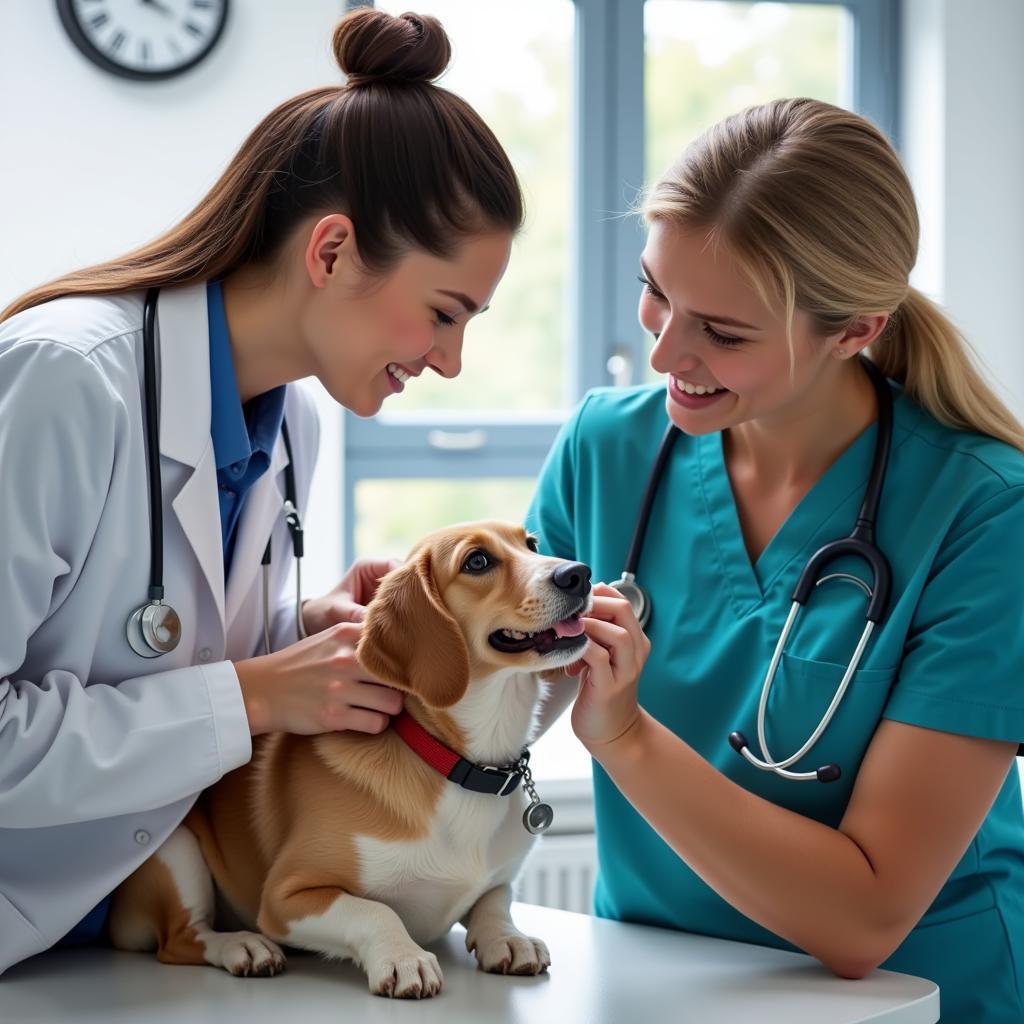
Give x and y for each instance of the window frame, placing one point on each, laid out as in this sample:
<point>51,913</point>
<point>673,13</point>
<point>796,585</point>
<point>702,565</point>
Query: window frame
<point>609,141</point>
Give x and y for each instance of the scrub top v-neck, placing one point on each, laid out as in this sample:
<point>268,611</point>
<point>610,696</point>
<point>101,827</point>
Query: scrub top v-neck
<point>951,520</point>
<point>748,583</point>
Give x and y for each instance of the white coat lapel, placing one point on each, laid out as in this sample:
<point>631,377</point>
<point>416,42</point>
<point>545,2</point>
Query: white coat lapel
<point>184,347</point>
<point>264,505</point>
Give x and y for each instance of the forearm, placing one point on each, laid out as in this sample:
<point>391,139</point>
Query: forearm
<point>808,883</point>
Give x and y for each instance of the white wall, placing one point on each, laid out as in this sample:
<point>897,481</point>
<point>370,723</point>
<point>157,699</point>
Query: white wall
<point>92,165</point>
<point>963,140</point>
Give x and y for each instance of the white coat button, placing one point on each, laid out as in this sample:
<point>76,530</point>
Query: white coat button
<point>142,837</point>
<point>205,654</point>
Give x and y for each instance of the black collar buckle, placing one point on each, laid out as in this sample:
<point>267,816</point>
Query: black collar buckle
<point>488,778</point>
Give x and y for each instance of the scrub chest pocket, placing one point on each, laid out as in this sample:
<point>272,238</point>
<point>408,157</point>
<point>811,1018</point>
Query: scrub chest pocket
<point>799,698</point>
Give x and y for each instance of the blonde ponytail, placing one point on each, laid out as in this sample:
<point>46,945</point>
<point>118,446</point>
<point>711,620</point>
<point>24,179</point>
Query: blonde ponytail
<point>924,351</point>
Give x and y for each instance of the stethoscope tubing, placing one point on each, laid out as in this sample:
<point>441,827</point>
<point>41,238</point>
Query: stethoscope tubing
<point>156,505</point>
<point>154,628</point>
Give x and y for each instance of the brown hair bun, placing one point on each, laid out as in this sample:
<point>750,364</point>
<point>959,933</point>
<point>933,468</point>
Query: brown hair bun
<point>374,46</point>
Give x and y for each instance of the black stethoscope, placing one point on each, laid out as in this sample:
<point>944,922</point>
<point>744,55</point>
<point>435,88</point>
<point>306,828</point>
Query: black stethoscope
<point>154,628</point>
<point>860,544</point>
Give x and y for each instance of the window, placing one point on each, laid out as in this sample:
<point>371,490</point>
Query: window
<point>591,98</point>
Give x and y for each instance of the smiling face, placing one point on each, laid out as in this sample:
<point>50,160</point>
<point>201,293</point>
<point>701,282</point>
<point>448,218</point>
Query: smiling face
<point>368,336</point>
<point>725,351</point>
<point>515,607</point>
<point>471,600</point>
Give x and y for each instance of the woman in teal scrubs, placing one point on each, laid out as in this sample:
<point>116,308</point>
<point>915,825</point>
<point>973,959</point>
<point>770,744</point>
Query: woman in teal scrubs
<point>779,250</point>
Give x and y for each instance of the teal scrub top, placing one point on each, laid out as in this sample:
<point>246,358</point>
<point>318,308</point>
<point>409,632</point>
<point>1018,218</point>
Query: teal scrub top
<point>949,656</point>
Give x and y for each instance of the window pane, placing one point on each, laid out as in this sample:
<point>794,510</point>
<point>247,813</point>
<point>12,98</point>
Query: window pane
<point>705,60</point>
<point>520,82</point>
<point>392,515</point>
<point>558,754</point>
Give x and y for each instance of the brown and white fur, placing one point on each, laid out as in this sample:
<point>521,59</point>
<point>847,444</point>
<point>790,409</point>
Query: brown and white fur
<point>348,843</point>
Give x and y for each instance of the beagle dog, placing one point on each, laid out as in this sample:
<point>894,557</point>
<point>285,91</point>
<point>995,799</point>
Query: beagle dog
<point>369,847</point>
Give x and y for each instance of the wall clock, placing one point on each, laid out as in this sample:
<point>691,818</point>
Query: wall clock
<point>146,40</point>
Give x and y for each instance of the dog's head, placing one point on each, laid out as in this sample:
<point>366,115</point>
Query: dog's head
<point>470,600</point>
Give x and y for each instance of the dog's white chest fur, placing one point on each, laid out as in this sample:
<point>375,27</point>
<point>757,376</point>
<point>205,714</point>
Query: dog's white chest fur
<point>476,840</point>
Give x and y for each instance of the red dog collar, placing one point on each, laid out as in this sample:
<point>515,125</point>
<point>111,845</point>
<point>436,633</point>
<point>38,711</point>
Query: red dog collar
<point>477,778</point>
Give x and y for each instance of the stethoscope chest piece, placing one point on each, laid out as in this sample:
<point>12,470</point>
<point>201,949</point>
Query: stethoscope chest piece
<point>627,586</point>
<point>154,629</point>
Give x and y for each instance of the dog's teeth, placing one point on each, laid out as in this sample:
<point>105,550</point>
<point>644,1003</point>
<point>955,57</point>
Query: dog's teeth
<point>515,634</point>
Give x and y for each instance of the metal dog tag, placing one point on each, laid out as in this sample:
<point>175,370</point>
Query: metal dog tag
<point>538,817</point>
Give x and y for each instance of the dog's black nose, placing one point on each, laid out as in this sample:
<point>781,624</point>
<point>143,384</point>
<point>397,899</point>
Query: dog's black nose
<point>573,578</point>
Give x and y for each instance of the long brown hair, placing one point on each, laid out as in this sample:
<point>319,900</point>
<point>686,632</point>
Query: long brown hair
<point>816,207</point>
<point>412,164</point>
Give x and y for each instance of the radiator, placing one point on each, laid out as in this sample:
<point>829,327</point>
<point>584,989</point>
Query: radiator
<point>560,873</point>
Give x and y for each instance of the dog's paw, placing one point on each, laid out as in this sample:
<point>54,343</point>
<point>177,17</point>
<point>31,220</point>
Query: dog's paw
<point>249,954</point>
<point>411,973</point>
<point>512,954</point>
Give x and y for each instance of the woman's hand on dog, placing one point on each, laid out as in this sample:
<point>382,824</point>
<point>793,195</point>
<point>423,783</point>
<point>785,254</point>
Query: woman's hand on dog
<point>348,600</point>
<point>606,706</point>
<point>316,686</point>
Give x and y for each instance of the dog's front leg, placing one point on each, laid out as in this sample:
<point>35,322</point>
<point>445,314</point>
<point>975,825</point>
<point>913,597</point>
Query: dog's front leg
<point>500,947</point>
<point>328,920</point>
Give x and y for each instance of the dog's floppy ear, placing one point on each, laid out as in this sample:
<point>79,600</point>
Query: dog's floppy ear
<point>410,639</point>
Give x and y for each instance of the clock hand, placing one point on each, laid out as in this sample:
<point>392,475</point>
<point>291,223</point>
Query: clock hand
<point>162,8</point>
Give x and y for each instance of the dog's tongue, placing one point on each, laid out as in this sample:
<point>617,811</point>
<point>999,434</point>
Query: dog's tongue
<point>571,626</point>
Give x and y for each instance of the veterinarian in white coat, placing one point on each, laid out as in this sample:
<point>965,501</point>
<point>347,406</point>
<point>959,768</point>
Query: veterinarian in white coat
<point>102,751</point>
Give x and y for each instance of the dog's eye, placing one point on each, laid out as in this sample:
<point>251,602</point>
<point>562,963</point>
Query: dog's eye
<point>532,543</point>
<point>477,562</point>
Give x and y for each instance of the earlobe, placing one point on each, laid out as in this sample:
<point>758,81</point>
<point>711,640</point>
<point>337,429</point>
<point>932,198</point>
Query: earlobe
<point>410,639</point>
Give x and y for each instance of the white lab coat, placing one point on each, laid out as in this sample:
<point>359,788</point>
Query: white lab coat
<point>102,752</point>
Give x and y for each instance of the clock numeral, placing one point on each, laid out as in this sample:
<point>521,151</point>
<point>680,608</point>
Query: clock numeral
<point>117,42</point>
<point>144,51</point>
<point>100,20</point>
<point>194,29</point>
<point>203,4</point>
<point>173,45</point>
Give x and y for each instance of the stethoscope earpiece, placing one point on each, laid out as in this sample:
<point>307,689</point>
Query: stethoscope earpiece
<point>826,773</point>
